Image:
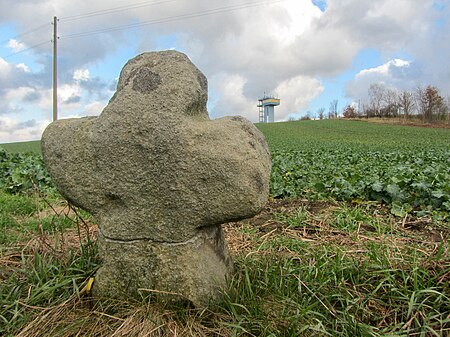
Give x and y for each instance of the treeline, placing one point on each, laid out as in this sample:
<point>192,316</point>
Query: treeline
<point>426,103</point>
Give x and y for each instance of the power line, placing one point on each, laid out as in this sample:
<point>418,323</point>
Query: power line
<point>26,49</point>
<point>218,10</point>
<point>33,29</point>
<point>91,14</point>
<point>172,18</point>
<point>27,32</point>
<point>114,10</point>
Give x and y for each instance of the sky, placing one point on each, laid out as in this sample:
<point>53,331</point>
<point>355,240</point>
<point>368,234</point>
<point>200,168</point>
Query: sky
<point>306,52</point>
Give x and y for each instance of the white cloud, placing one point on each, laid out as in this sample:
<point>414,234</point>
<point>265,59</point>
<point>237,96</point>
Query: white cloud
<point>285,47</point>
<point>4,68</point>
<point>297,93</point>
<point>13,130</point>
<point>23,67</point>
<point>15,45</point>
<point>81,75</point>
<point>294,19</point>
<point>91,109</point>
<point>18,94</point>
<point>395,73</point>
<point>232,101</point>
<point>94,108</point>
<point>66,91</point>
<point>383,70</point>
<point>45,102</point>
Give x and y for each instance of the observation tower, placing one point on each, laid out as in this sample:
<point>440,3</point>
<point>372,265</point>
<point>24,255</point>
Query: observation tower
<point>266,106</point>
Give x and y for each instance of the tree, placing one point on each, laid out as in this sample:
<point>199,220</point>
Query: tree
<point>350,112</point>
<point>365,111</point>
<point>332,112</point>
<point>320,113</point>
<point>377,93</point>
<point>390,103</point>
<point>442,109</point>
<point>406,103</point>
<point>448,107</point>
<point>430,103</point>
<point>307,117</point>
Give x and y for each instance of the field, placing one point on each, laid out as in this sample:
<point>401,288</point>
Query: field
<point>33,147</point>
<point>404,167</point>
<point>354,241</point>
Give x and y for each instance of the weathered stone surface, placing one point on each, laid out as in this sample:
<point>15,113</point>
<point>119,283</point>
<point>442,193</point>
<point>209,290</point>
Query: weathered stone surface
<point>160,178</point>
<point>192,270</point>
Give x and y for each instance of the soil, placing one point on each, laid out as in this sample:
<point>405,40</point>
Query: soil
<point>407,122</point>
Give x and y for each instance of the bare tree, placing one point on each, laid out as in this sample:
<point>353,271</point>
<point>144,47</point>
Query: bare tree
<point>332,112</point>
<point>406,103</point>
<point>448,107</point>
<point>430,103</point>
<point>366,112</point>
<point>377,93</point>
<point>306,117</point>
<point>442,109</point>
<point>390,100</point>
<point>320,113</point>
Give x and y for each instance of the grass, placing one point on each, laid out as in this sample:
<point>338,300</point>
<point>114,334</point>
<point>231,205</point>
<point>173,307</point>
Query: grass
<point>411,121</point>
<point>33,147</point>
<point>359,134</point>
<point>46,253</point>
<point>326,132</point>
<point>302,267</point>
<point>321,278</point>
<point>13,208</point>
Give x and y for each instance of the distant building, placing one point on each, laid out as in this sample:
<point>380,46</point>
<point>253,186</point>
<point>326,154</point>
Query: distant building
<point>266,109</point>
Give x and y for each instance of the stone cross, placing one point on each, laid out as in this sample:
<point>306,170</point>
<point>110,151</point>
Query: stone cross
<point>160,178</point>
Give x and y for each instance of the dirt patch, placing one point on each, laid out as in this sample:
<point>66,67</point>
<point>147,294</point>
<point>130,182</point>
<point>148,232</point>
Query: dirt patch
<point>407,122</point>
<point>316,227</point>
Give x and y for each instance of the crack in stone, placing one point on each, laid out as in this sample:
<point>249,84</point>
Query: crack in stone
<point>155,135</point>
<point>148,240</point>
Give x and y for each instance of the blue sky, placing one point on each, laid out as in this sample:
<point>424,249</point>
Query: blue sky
<point>307,52</point>
<point>335,86</point>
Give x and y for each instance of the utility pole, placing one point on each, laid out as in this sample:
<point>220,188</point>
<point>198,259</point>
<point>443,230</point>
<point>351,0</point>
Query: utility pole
<point>55,68</point>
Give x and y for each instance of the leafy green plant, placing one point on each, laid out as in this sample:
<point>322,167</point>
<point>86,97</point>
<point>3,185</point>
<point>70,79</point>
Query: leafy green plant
<point>329,268</point>
<point>23,172</point>
<point>349,161</point>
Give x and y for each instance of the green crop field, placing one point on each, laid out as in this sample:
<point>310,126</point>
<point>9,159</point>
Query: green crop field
<point>357,134</point>
<point>405,167</point>
<point>33,147</point>
<point>354,241</point>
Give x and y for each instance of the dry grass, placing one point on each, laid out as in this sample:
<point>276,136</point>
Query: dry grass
<point>81,317</point>
<point>245,237</point>
<point>255,239</point>
<point>407,122</point>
